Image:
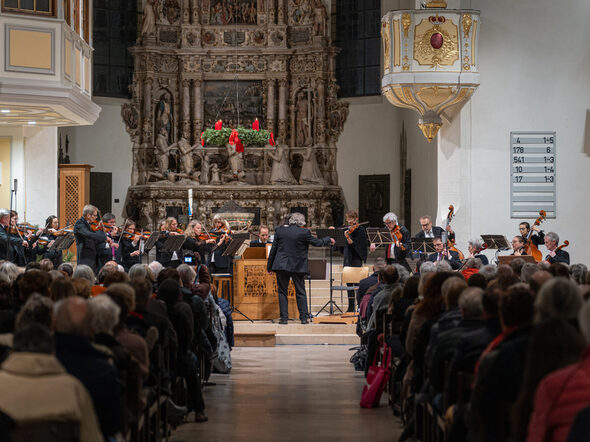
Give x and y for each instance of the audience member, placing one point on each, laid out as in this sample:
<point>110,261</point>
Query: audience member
<point>85,272</point>
<point>33,281</point>
<point>61,288</point>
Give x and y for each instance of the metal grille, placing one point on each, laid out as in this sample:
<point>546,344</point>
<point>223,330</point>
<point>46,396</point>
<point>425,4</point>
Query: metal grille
<point>72,199</point>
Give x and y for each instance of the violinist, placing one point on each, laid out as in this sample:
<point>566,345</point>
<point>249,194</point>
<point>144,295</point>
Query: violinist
<point>537,237</point>
<point>355,251</point>
<point>198,243</point>
<point>556,254</point>
<point>46,239</point>
<point>87,240</point>
<point>168,228</point>
<point>22,253</point>
<point>8,244</point>
<point>397,251</point>
<point>474,247</point>
<point>441,254</point>
<point>217,262</point>
<point>518,246</point>
<point>109,250</point>
<point>129,246</point>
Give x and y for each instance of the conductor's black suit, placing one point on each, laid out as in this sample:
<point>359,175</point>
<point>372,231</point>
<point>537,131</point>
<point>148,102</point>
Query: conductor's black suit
<point>288,259</point>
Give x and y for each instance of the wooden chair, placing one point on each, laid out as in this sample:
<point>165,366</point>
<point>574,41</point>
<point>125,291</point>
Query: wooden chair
<point>350,275</point>
<point>223,285</point>
<point>47,431</point>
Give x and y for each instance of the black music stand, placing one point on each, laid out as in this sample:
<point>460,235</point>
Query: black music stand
<point>63,242</point>
<point>236,247</point>
<point>498,242</point>
<point>423,247</point>
<point>173,243</point>
<point>340,241</point>
<point>316,269</point>
<point>379,236</point>
<point>150,243</point>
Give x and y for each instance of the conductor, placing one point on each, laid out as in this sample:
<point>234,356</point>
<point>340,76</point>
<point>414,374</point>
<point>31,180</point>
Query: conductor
<point>288,259</point>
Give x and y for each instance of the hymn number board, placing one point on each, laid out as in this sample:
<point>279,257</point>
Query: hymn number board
<point>532,174</point>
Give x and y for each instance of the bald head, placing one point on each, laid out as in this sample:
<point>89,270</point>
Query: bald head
<point>73,315</point>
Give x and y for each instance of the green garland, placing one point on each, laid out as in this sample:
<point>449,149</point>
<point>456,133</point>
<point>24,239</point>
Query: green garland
<point>249,137</point>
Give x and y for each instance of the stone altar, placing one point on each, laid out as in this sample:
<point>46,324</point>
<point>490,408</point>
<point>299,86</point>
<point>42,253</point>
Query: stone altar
<point>197,61</point>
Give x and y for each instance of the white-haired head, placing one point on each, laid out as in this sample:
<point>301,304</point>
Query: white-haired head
<point>298,219</point>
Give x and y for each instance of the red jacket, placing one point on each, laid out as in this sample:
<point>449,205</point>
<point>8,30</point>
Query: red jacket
<point>559,397</point>
<point>468,272</point>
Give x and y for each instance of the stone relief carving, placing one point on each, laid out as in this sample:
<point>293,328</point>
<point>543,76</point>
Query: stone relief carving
<point>177,94</point>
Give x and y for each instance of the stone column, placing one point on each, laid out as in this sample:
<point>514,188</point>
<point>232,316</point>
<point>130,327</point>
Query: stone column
<point>148,118</point>
<point>195,12</point>
<point>270,102</point>
<point>197,109</point>
<point>271,12</point>
<point>320,112</point>
<point>186,12</point>
<point>281,12</point>
<point>186,108</point>
<point>283,84</point>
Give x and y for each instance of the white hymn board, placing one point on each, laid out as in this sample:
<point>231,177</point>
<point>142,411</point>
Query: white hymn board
<point>533,162</point>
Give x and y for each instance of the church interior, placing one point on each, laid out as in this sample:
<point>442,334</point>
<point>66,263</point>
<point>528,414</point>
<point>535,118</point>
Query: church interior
<point>165,166</point>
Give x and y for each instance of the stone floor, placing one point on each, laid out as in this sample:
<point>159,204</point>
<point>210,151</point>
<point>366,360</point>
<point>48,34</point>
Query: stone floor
<point>290,393</point>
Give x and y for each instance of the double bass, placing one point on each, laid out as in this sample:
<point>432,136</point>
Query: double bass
<point>530,248</point>
<point>451,242</point>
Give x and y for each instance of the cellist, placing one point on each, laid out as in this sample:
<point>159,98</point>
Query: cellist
<point>537,237</point>
<point>556,254</point>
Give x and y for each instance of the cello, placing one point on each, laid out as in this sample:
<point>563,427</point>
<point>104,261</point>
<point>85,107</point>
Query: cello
<point>530,248</point>
<point>451,242</point>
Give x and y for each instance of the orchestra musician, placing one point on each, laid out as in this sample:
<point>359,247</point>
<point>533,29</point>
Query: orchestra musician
<point>430,231</point>
<point>87,240</point>
<point>198,243</point>
<point>537,236</point>
<point>441,254</point>
<point>475,246</point>
<point>46,240</point>
<point>556,254</point>
<point>23,253</point>
<point>217,262</point>
<point>397,251</point>
<point>263,236</point>
<point>288,260</point>
<point>109,250</point>
<point>129,246</point>
<point>168,228</point>
<point>8,243</point>
<point>518,246</point>
<point>355,250</point>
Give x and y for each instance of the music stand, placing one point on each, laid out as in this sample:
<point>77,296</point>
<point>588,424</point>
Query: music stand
<point>150,243</point>
<point>236,247</point>
<point>63,242</point>
<point>379,236</point>
<point>316,269</point>
<point>498,242</point>
<point>423,246</point>
<point>340,241</point>
<point>173,243</point>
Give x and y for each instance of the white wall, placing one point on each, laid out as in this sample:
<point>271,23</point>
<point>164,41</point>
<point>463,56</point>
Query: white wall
<point>106,146</point>
<point>534,64</point>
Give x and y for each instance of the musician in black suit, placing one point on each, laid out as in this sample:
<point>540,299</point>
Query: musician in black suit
<point>440,254</point>
<point>8,244</point>
<point>263,236</point>
<point>551,242</point>
<point>288,259</point>
<point>87,241</point>
<point>430,231</point>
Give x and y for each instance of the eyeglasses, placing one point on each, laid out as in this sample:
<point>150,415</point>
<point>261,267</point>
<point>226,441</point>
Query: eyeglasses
<point>424,225</point>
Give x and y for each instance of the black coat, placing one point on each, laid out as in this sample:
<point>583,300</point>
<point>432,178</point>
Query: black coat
<point>126,247</point>
<point>367,283</point>
<point>289,249</point>
<point>358,248</point>
<point>13,244</point>
<point>406,241</point>
<point>560,256</point>
<point>436,231</point>
<point>454,261</point>
<point>87,243</point>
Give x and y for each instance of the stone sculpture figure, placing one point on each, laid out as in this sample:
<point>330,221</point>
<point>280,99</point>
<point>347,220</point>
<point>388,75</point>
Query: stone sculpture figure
<point>310,170</point>
<point>148,27</point>
<point>303,138</point>
<point>164,114</point>
<point>319,19</point>
<point>205,167</point>
<point>215,179</point>
<point>281,171</point>
<point>186,155</point>
<point>235,161</point>
<point>163,150</point>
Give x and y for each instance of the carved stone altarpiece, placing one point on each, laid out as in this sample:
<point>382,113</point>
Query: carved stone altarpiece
<point>197,61</point>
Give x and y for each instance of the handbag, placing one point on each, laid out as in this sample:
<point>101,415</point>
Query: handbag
<point>377,378</point>
<point>221,359</point>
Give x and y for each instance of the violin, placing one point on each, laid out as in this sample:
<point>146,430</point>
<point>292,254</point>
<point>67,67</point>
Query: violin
<point>100,226</point>
<point>398,235</point>
<point>451,242</point>
<point>351,229</point>
<point>60,232</point>
<point>530,248</point>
